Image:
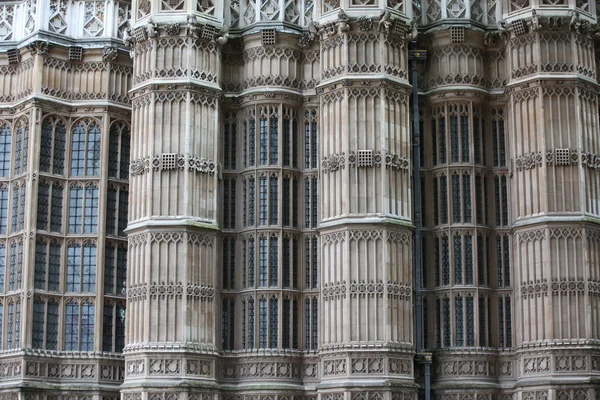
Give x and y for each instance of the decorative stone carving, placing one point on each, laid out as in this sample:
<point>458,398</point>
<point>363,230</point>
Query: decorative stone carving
<point>533,289</point>
<point>529,161</point>
<point>173,29</point>
<point>333,162</point>
<point>40,47</point>
<point>109,54</point>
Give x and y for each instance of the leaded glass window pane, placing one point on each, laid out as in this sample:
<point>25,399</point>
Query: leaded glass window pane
<point>434,142</point>
<point>107,328</point>
<point>286,322</point>
<point>314,202</point>
<point>442,140</point>
<point>286,263</point>
<point>274,142</point>
<point>480,260</point>
<point>273,200</point>
<point>467,209</point>
<point>468,259</point>
<point>2,268</point>
<point>89,269</point>
<point>250,323</point>
<point>75,209</point>
<point>459,320</point>
<point>464,145</point>
<point>444,199</point>
<point>446,318</point>
<point>72,327</point>
<point>458,263</point>
<point>445,261</point>
<point>87,326</point>
<point>286,216</point>
<point>43,205</point>
<point>273,323</point>
<point>78,150</point>
<point>470,322</point>
<point>46,144</point>
<point>456,199</point>
<point>3,210</point>
<point>39,279</point>
<point>90,219</point>
<point>262,323</point>
<point>482,324</point>
<point>454,144</point>
<point>264,142</point>
<point>121,270</point>
<point>109,269</point>
<point>93,151</point>
<point>123,206</point>
<point>315,264</point>
<point>262,212</point>
<point>111,211</point>
<point>52,325</point>
<point>273,261</point>
<point>37,334</point>
<point>263,262</point>
<point>251,262</point>
<point>5,147</point>
<point>56,208</point>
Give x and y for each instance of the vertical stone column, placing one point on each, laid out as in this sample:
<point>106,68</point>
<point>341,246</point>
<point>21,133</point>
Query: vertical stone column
<point>552,117</point>
<point>365,227</point>
<point>173,275</point>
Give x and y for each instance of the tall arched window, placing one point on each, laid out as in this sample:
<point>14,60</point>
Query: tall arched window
<point>52,146</point>
<point>118,151</point>
<point>5,145</point>
<point>85,149</point>
<point>81,267</point>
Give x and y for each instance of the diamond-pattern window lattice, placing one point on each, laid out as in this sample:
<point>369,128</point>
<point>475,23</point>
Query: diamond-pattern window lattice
<point>56,22</point>
<point>518,4</point>
<point>417,9</point>
<point>363,2</point>
<point>249,13</point>
<point>476,11</point>
<point>30,19</point>
<point>144,8</point>
<point>6,21</point>
<point>434,11</point>
<point>234,13</point>
<point>398,5</point>
<point>309,6</point>
<point>172,5</point>
<point>124,14</point>
<point>93,18</point>
<point>583,5</point>
<point>269,10</point>
<point>491,11</point>
<point>456,9</point>
<point>329,5</point>
<point>291,12</point>
<point>208,6</point>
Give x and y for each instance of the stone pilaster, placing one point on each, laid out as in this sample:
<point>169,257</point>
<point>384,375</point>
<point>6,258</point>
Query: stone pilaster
<point>173,275</point>
<point>366,240</point>
<point>552,117</point>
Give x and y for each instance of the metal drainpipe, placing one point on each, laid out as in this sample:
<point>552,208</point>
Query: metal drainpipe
<point>422,358</point>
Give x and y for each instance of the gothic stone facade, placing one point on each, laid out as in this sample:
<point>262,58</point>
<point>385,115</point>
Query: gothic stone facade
<point>212,199</point>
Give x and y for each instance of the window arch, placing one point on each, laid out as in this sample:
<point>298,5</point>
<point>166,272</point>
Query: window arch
<point>85,150</point>
<point>5,147</point>
<point>21,145</point>
<point>119,150</point>
<point>52,146</point>
<point>45,323</point>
